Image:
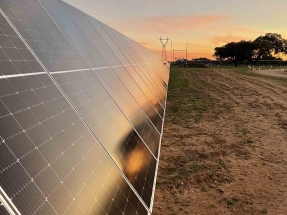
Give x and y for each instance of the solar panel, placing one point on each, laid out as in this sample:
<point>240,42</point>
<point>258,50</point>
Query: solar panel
<point>136,61</point>
<point>81,113</point>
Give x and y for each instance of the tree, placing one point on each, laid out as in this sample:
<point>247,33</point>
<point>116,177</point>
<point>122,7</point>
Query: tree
<point>201,59</point>
<point>272,58</point>
<point>271,46</point>
<point>235,51</point>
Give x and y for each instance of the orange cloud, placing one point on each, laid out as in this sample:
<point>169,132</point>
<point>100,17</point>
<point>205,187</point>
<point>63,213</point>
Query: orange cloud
<point>221,40</point>
<point>245,30</point>
<point>163,24</point>
<point>184,22</point>
<point>144,43</point>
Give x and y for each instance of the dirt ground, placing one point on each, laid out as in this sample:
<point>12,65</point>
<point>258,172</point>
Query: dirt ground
<point>224,149</point>
<point>275,73</point>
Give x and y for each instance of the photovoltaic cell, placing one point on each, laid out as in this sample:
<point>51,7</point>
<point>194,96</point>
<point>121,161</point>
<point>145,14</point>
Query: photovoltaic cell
<point>96,39</point>
<point>143,63</point>
<point>69,82</point>
<point>47,161</point>
<point>141,52</point>
<point>43,35</point>
<point>156,83</point>
<point>104,118</point>
<point>122,48</point>
<point>15,58</point>
<point>151,74</point>
<point>81,113</point>
<point>140,97</point>
<point>124,100</point>
<point>89,55</point>
<point>139,67</point>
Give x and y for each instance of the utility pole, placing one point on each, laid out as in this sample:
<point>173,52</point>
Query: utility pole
<point>171,59</point>
<point>186,50</point>
<point>181,50</point>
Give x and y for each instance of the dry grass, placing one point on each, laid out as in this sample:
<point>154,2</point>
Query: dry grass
<point>224,147</point>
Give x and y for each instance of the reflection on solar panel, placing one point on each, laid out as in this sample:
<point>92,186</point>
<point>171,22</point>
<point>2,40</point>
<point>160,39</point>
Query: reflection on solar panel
<point>81,113</point>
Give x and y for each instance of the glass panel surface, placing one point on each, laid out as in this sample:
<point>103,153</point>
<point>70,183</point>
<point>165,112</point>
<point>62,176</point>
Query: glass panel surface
<point>51,161</point>
<point>81,112</point>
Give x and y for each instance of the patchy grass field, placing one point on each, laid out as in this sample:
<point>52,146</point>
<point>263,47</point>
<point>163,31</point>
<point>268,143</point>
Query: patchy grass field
<point>224,149</point>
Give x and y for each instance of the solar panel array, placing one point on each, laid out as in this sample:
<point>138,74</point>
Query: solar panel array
<point>81,113</point>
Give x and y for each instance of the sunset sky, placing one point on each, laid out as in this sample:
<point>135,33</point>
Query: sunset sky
<point>204,23</point>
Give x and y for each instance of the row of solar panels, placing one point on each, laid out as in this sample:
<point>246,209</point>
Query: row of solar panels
<point>81,113</point>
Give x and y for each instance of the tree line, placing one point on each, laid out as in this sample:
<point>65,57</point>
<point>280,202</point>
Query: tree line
<point>271,46</point>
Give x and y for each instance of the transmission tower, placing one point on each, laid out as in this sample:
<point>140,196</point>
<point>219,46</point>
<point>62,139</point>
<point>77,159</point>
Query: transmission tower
<point>164,43</point>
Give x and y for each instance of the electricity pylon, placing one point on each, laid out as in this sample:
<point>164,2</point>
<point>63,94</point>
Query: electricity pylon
<point>164,43</point>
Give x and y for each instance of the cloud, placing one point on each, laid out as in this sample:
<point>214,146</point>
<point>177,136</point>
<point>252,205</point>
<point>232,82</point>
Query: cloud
<point>164,24</point>
<point>145,43</point>
<point>221,40</point>
<point>250,34</point>
<point>246,30</point>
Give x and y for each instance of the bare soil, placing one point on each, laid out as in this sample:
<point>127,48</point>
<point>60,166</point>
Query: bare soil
<point>276,72</point>
<point>224,149</point>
